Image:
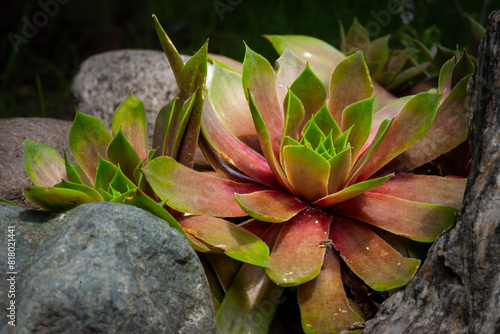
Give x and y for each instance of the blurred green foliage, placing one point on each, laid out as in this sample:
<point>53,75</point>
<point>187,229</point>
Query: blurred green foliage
<point>79,29</point>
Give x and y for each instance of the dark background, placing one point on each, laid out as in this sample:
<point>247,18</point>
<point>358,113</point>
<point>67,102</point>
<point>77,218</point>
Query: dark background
<point>36,73</point>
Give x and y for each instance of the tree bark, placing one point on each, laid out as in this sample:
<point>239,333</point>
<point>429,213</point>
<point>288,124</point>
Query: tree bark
<point>457,290</point>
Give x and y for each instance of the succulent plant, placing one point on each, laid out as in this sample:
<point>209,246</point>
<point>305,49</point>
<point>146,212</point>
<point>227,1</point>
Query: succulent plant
<point>323,179</point>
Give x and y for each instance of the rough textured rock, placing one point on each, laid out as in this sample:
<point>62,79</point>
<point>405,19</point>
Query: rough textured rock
<point>105,79</point>
<point>104,268</point>
<point>457,290</point>
<point>13,176</point>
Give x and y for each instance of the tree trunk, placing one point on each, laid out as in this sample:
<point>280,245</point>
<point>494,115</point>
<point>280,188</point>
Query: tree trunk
<point>457,290</point>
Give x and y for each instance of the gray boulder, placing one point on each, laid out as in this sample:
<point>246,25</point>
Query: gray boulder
<point>104,81</point>
<point>104,268</point>
<point>13,176</point>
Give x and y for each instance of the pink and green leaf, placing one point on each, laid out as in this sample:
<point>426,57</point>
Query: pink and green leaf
<point>130,117</point>
<point>289,68</point>
<point>162,126</point>
<point>369,257</point>
<point>323,304</point>
<point>180,187</point>
<point>307,171</point>
<point>321,56</point>
<point>417,221</point>
<point>351,192</point>
<point>235,241</point>
<point>273,206</point>
<point>56,199</point>
<point>411,123</point>
<point>350,83</point>
<point>296,257</point>
<point>88,139</point>
<point>44,165</point>
<point>171,52</point>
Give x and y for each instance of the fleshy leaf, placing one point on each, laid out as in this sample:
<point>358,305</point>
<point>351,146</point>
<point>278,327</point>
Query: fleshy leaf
<point>430,189</point>
<point>350,83</point>
<point>326,123</point>
<point>162,126</point>
<point>71,171</point>
<point>359,116</point>
<point>251,302</point>
<point>235,241</point>
<point>357,38</point>
<point>311,92</point>
<point>105,173</point>
<point>130,117</point>
<point>80,187</point>
<point>289,68</point>
<point>294,113</point>
<point>121,152</point>
<point>181,122</point>
<point>258,77</point>
<point>408,126</point>
<point>173,56</point>
<point>121,182</point>
<point>351,192</point>
<point>369,257</point>
<point>296,257</point>
<point>270,205</point>
<point>307,171</point>
<point>44,165</point>
<point>340,165</point>
<point>56,199</point>
<point>413,220</point>
<point>323,304</point>
<point>88,139</point>
<point>180,187</point>
<point>321,56</point>
<point>450,120</point>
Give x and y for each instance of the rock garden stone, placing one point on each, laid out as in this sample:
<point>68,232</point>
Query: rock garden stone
<point>103,268</point>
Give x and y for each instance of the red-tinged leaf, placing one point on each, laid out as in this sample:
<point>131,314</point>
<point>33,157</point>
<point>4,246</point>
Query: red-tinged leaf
<point>430,189</point>
<point>450,120</point>
<point>350,83</point>
<point>272,206</point>
<point>235,241</point>
<point>382,96</point>
<point>56,199</point>
<point>445,74</point>
<point>351,192</point>
<point>289,68</point>
<point>44,165</point>
<point>257,77</point>
<point>130,117</point>
<point>357,38</point>
<point>88,139</point>
<point>189,191</point>
<point>307,172</point>
<point>408,126</point>
<point>226,62</point>
<point>229,103</point>
<point>173,56</point>
<point>369,257</point>
<point>255,226</point>
<point>194,73</point>
<point>413,220</point>
<point>251,301</point>
<point>296,257</point>
<point>323,304</point>
<point>266,145</point>
<point>233,150</point>
<point>225,268</point>
<point>321,56</point>
<point>179,128</point>
<point>399,59</point>
<point>121,152</point>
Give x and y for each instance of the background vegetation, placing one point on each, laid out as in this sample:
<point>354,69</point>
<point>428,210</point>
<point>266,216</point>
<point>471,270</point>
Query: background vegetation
<point>36,76</point>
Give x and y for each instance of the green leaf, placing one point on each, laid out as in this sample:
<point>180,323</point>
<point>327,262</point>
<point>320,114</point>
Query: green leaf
<point>294,114</point>
<point>44,165</point>
<point>463,68</point>
<point>130,117</point>
<point>340,165</point>
<point>357,38</point>
<point>323,304</point>
<point>326,123</point>
<point>313,134</point>
<point>8,202</point>
<point>162,126</point>
<point>413,220</point>
<point>311,92</point>
<point>377,52</point>
<point>121,183</point>
<point>56,199</point>
<point>350,83</point>
<point>258,78</point>
<point>342,141</point>
<point>182,122</point>
<point>88,139</point>
<point>122,153</point>
<point>104,175</point>
<point>399,58</point>
<point>235,241</point>
<point>272,206</point>
<point>296,257</point>
<point>173,56</point>
<point>80,187</point>
<point>444,85</point>
<point>71,172</point>
<point>307,171</point>
<point>194,73</point>
<point>189,191</point>
<point>361,249</point>
<point>351,192</point>
<point>358,116</point>
<point>321,56</point>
